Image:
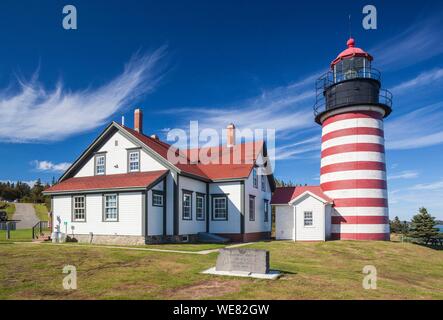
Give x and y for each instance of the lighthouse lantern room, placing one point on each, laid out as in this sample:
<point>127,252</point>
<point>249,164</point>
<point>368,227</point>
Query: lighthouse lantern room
<point>350,107</point>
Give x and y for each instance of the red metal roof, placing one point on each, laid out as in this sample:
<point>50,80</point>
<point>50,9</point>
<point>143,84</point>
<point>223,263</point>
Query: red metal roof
<point>112,181</point>
<point>284,195</point>
<point>243,157</point>
<point>351,52</point>
<point>214,169</point>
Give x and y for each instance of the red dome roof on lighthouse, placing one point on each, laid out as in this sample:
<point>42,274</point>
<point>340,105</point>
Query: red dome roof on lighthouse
<point>351,52</point>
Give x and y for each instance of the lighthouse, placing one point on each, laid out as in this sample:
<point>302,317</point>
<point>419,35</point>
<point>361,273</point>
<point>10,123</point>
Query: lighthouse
<point>351,107</point>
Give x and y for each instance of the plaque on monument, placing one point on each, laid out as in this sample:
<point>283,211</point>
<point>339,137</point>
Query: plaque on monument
<point>244,260</point>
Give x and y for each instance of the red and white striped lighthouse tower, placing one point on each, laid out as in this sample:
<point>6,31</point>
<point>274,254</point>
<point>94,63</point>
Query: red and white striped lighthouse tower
<point>351,107</point>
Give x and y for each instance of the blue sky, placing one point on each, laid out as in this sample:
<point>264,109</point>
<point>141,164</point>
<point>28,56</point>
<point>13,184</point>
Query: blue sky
<point>253,64</point>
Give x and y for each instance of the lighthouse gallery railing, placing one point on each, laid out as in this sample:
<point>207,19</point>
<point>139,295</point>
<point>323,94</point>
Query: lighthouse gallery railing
<point>330,78</point>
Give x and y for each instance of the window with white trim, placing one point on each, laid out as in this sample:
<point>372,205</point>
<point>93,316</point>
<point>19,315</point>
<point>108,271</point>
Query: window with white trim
<point>157,198</point>
<point>187,206</point>
<point>254,178</point>
<point>134,161</point>
<point>220,208</point>
<point>308,218</point>
<point>251,208</point>
<point>100,163</point>
<point>266,210</point>
<point>79,208</point>
<point>263,182</point>
<point>200,207</point>
<point>111,207</point>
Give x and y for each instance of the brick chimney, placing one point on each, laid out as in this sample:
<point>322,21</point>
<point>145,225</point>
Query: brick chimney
<point>138,120</point>
<point>230,135</point>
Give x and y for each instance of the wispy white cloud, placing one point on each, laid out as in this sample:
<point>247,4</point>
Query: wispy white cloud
<point>435,186</point>
<point>406,201</point>
<point>33,113</point>
<point>302,147</point>
<point>50,166</point>
<point>284,108</point>
<point>424,79</point>
<point>409,174</point>
<point>287,109</point>
<point>421,41</point>
<point>416,129</point>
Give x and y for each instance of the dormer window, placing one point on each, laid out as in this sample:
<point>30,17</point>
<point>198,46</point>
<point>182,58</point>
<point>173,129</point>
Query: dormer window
<point>254,178</point>
<point>134,160</point>
<point>100,164</point>
<point>263,182</point>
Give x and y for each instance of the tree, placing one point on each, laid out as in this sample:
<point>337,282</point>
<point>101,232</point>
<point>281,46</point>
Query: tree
<point>423,226</point>
<point>281,183</point>
<point>405,227</point>
<point>36,192</point>
<point>396,225</point>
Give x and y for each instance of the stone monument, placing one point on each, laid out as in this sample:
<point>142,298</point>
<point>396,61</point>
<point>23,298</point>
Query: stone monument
<point>243,263</point>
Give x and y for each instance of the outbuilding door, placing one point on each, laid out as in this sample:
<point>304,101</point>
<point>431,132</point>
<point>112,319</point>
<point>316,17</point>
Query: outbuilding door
<point>284,223</point>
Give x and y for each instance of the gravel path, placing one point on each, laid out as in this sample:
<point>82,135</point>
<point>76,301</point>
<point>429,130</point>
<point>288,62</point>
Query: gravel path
<point>26,214</point>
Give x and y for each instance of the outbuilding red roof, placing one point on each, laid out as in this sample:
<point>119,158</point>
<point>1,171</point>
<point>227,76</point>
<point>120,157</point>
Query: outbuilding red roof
<point>112,181</point>
<point>284,195</point>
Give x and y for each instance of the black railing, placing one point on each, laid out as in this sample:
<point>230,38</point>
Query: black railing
<point>331,77</point>
<point>38,228</point>
<point>341,97</point>
<point>348,97</point>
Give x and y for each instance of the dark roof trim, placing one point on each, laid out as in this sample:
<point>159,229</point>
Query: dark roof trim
<point>98,190</point>
<point>88,151</point>
<point>101,137</point>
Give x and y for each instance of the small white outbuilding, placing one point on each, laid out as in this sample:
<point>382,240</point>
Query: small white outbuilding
<point>302,214</point>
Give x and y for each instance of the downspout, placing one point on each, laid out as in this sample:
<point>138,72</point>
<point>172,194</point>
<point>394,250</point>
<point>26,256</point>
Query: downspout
<point>165,201</point>
<point>207,207</point>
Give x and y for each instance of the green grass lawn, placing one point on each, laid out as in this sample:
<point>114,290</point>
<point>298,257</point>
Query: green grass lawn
<point>41,211</point>
<point>189,247</point>
<point>16,235</point>
<point>9,208</point>
<point>329,270</point>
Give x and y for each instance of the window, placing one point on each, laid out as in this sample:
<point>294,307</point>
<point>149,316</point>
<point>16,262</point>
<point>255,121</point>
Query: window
<point>200,206</point>
<point>254,178</point>
<point>266,209</point>
<point>263,182</point>
<point>157,198</point>
<point>251,208</point>
<point>134,161</point>
<point>308,221</point>
<point>79,208</point>
<point>187,205</point>
<point>100,164</point>
<point>116,143</point>
<point>219,208</point>
<point>110,206</point>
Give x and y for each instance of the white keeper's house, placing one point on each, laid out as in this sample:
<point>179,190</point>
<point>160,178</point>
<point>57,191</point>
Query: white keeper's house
<point>123,189</point>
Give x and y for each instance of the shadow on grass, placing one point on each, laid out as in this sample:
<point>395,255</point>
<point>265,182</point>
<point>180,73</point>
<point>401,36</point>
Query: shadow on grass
<point>284,272</point>
<point>431,246</point>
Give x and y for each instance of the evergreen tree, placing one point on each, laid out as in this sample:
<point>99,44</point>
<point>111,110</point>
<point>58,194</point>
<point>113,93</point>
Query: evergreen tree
<point>405,227</point>
<point>281,183</point>
<point>423,226</point>
<point>396,225</point>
